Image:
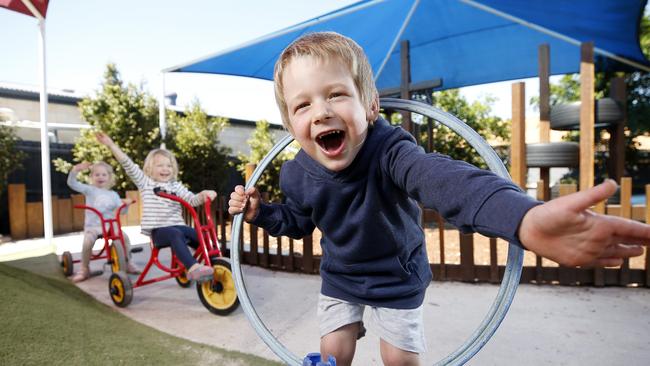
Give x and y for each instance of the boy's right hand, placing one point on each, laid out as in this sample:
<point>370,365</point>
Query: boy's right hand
<point>247,202</point>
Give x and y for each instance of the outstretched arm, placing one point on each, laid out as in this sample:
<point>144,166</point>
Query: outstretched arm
<point>106,140</point>
<point>567,232</point>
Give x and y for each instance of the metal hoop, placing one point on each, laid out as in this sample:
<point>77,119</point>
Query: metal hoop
<point>497,311</point>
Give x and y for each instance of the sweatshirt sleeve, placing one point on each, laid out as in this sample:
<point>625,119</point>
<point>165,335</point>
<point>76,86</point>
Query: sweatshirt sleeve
<point>284,219</point>
<point>134,172</point>
<point>190,197</point>
<point>472,199</point>
<point>74,184</point>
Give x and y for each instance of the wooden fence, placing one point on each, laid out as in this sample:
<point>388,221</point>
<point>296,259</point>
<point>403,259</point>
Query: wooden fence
<point>26,218</point>
<point>453,256</point>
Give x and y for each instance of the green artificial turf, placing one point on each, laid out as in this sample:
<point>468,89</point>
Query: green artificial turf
<point>46,320</point>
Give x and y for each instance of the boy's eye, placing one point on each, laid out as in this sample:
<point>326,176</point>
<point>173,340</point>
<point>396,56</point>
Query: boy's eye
<point>301,106</point>
<point>336,94</point>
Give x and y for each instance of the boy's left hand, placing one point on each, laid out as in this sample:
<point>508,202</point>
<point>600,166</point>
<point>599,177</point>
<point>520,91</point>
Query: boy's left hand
<point>566,231</point>
<point>208,194</point>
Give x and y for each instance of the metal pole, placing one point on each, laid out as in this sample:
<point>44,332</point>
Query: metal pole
<point>45,141</point>
<point>161,110</point>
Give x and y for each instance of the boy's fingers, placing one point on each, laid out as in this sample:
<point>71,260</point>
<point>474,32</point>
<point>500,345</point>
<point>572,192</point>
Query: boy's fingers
<point>581,201</point>
<point>239,190</point>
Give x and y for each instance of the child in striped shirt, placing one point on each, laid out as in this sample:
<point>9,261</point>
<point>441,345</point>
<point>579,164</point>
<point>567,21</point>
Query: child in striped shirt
<point>162,219</point>
<point>99,196</point>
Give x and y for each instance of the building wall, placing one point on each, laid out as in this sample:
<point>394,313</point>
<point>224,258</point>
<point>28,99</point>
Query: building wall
<point>26,111</point>
<point>235,136</point>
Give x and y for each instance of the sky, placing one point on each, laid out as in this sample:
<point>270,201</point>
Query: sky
<point>144,37</point>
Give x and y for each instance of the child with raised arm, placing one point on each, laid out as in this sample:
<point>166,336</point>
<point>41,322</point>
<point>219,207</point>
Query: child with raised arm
<point>358,179</point>
<point>99,196</point>
<point>162,219</point>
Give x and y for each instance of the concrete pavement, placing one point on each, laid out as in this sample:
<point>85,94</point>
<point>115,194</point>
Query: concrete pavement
<point>546,325</point>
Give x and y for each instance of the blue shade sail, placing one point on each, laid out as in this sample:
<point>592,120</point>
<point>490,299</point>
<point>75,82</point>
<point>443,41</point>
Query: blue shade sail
<point>460,42</point>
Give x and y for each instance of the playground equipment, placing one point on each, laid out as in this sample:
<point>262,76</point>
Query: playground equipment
<point>511,276</point>
<point>115,255</point>
<point>218,295</point>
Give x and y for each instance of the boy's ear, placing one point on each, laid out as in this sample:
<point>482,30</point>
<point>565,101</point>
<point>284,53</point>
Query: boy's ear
<point>373,111</point>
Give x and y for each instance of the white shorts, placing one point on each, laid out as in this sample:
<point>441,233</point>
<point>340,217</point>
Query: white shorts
<point>402,328</point>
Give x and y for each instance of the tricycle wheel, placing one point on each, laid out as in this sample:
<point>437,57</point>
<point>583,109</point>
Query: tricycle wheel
<point>181,279</point>
<point>67,263</point>
<point>120,289</point>
<point>219,295</point>
<point>118,257</point>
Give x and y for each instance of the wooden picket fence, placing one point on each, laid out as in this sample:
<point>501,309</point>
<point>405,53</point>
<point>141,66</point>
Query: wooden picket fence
<point>453,256</point>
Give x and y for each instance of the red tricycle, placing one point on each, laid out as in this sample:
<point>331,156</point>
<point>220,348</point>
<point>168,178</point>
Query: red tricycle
<point>115,255</point>
<point>218,295</point>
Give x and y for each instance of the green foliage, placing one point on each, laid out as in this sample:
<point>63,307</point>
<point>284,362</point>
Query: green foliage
<point>638,88</point>
<point>261,142</point>
<point>194,138</point>
<point>476,115</point>
<point>127,114</point>
<point>10,158</point>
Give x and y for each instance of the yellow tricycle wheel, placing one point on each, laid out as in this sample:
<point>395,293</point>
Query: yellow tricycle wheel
<point>219,295</point>
<point>120,289</point>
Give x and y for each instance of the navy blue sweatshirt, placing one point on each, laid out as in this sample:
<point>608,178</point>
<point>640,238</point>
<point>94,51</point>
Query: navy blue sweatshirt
<point>374,250</point>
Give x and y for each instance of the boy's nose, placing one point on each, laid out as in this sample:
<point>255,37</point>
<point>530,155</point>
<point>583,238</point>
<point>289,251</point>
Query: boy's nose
<point>321,112</point>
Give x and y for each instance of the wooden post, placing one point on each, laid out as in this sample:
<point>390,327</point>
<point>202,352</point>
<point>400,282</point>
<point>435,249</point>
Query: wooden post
<point>64,210</point>
<point>250,168</point>
<point>567,275</point>
<point>17,211</point>
<point>587,149</point>
<point>599,272</point>
<point>36,227</point>
<point>467,268</point>
<point>647,221</point>
<point>544,114</point>
<point>494,265</point>
<point>539,269</point>
<point>78,216</point>
<point>518,143</point>
<point>616,165</point>
<point>134,214</point>
<point>626,212</point>
<point>405,81</point>
<point>56,226</point>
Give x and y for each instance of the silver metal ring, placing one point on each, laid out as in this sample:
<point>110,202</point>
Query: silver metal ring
<point>512,274</point>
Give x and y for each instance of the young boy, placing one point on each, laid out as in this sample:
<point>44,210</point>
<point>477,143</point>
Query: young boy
<point>358,180</point>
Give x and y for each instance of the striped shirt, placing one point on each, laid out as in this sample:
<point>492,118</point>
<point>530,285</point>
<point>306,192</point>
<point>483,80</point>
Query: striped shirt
<point>157,211</point>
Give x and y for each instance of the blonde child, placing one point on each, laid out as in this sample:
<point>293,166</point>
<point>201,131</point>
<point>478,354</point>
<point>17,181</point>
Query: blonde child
<point>358,179</point>
<point>99,196</point>
<point>162,219</point>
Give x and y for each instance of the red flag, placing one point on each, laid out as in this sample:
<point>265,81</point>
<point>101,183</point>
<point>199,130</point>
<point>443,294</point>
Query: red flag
<point>19,6</point>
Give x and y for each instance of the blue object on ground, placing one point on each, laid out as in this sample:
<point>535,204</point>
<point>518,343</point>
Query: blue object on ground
<point>314,359</point>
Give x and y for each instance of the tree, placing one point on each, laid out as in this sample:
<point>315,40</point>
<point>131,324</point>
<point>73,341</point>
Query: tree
<point>261,142</point>
<point>194,137</point>
<point>127,114</point>
<point>476,115</point>
<point>10,158</point>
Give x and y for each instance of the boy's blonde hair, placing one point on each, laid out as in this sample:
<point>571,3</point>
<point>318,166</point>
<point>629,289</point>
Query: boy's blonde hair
<point>109,170</point>
<point>327,46</point>
<point>148,162</point>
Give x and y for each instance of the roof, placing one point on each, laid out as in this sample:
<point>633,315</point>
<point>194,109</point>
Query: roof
<point>20,91</point>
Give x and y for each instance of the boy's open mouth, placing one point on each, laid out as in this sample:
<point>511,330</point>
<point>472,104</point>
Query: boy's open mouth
<point>331,141</point>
